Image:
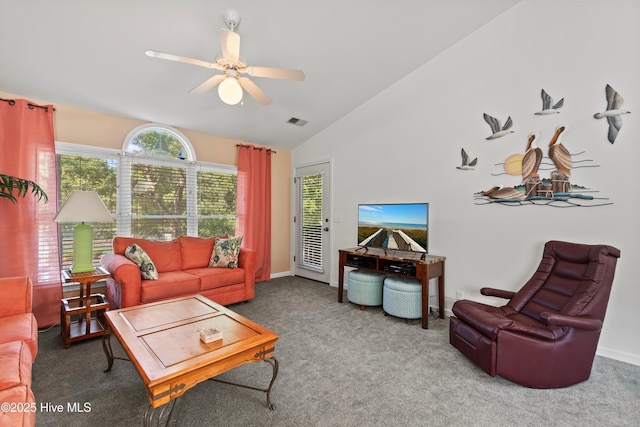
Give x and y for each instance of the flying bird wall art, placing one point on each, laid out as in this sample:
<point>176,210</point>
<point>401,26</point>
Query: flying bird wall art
<point>466,164</point>
<point>545,175</point>
<point>548,107</point>
<point>497,129</point>
<point>613,113</point>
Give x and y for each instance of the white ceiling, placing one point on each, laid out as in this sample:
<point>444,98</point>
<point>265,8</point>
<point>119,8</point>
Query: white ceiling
<point>90,54</point>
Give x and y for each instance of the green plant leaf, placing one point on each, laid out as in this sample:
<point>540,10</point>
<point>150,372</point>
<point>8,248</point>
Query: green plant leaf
<point>9,184</point>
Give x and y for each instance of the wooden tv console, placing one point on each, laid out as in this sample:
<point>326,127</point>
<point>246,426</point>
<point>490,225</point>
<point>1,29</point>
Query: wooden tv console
<point>422,267</point>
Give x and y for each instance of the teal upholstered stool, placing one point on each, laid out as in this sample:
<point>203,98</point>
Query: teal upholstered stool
<point>365,288</point>
<point>402,297</point>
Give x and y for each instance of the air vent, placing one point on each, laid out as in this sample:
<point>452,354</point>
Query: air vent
<point>296,121</point>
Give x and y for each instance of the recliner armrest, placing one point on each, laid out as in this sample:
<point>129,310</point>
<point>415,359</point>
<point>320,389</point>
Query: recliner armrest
<point>579,322</point>
<point>500,293</point>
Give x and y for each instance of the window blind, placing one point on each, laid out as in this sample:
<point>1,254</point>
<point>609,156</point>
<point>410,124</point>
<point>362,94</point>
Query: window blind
<point>150,197</point>
<point>310,223</point>
<point>76,172</point>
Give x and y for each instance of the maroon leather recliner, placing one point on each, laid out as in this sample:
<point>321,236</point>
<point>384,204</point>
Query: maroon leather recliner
<point>547,334</point>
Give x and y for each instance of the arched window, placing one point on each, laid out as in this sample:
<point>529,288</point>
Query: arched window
<point>153,186</point>
<point>164,193</point>
<point>155,140</point>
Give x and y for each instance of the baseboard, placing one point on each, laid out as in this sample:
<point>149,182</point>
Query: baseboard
<point>618,355</point>
<point>281,274</point>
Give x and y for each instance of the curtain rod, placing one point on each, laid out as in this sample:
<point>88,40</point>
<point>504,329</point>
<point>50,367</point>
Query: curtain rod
<point>12,102</point>
<point>269,150</point>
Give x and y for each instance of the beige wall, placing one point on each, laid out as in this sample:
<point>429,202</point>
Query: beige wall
<point>78,126</point>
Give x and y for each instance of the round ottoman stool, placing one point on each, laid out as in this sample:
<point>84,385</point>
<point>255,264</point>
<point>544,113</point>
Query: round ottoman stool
<point>365,288</point>
<point>402,297</point>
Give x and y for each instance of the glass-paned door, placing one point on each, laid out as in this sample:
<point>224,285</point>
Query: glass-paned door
<point>312,222</point>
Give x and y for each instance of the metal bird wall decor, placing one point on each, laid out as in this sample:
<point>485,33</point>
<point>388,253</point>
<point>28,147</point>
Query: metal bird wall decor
<point>531,159</point>
<point>548,107</point>
<point>556,189</point>
<point>613,113</point>
<point>466,164</point>
<point>497,129</point>
<point>553,190</point>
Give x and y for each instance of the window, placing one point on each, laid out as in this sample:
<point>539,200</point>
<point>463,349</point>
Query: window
<point>311,222</point>
<point>154,187</point>
<point>81,171</point>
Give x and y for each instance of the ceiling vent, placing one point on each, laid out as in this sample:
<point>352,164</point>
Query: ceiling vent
<point>298,122</point>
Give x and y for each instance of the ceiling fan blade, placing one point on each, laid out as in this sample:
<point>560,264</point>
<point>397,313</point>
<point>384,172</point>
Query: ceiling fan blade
<point>230,42</point>
<point>170,57</point>
<point>254,91</point>
<point>274,73</point>
<point>208,84</point>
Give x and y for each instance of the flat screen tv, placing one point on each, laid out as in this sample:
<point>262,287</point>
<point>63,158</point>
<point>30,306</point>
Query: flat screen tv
<point>399,226</point>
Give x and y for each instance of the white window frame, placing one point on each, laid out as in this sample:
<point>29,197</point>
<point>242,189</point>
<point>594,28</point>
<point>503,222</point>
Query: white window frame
<point>124,159</point>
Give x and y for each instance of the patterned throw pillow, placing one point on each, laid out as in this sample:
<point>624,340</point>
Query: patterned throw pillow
<point>136,254</point>
<point>225,252</point>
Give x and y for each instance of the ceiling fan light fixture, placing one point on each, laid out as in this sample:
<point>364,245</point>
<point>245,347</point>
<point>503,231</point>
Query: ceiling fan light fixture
<point>230,91</point>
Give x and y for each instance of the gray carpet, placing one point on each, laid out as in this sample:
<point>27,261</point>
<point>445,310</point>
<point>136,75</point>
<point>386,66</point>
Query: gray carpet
<point>339,366</point>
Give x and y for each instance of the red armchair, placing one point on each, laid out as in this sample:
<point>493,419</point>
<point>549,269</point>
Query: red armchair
<point>547,334</point>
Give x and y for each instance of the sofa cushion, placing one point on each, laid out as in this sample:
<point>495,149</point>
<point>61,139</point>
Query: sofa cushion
<point>20,327</point>
<point>165,255</point>
<point>196,251</point>
<point>217,277</point>
<point>19,394</point>
<point>15,364</point>
<point>144,262</point>
<point>225,252</point>
<point>170,284</point>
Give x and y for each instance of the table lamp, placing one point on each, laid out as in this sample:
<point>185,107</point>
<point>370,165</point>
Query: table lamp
<point>81,207</point>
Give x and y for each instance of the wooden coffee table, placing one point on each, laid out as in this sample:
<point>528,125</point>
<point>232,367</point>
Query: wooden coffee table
<point>162,340</point>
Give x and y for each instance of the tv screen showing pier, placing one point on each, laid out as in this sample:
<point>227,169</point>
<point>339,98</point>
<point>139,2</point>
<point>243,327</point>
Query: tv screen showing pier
<point>401,226</point>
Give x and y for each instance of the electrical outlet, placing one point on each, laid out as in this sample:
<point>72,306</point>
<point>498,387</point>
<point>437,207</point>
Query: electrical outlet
<point>459,295</point>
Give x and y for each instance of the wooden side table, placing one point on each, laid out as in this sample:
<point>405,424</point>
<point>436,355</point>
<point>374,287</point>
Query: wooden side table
<point>85,325</point>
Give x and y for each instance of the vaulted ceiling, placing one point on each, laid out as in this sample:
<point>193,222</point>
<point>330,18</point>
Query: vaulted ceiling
<point>90,55</point>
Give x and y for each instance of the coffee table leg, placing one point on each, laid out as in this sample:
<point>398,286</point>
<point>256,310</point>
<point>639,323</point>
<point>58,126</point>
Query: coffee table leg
<point>106,346</point>
<point>108,351</point>
<point>151,411</point>
<point>274,364</point>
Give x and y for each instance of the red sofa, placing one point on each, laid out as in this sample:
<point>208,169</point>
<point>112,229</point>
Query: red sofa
<point>182,266</point>
<point>18,350</point>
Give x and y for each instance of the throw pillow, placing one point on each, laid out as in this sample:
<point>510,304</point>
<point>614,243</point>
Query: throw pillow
<point>225,252</point>
<point>140,258</point>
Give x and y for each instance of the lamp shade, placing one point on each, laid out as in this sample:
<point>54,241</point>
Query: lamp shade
<point>230,91</point>
<point>83,206</point>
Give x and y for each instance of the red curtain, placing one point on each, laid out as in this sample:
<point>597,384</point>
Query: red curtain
<point>253,208</point>
<point>28,235</point>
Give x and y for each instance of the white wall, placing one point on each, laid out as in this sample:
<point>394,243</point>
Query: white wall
<point>403,146</point>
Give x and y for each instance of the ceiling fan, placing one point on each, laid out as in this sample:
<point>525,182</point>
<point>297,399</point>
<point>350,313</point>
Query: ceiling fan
<point>233,80</point>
